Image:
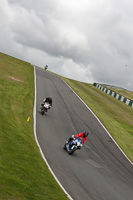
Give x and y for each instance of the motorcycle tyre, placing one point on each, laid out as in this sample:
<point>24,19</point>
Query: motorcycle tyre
<point>71,151</point>
<point>64,146</point>
<point>42,112</point>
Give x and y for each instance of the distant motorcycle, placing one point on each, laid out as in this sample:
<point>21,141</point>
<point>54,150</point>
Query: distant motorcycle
<point>46,67</point>
<point>73,145</point>
<point>44,107</point>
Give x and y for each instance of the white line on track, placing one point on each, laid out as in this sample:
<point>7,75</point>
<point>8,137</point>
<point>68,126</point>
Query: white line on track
<point>34,115</point>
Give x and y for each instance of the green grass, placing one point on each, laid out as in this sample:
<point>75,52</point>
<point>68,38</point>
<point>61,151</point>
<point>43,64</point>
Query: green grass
<point>23,173</point>
<point>116,116</point>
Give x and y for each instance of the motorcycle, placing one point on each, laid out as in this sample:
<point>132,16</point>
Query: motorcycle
<point>46,67</point>
<point>44,107</point>
<point>73,145</point>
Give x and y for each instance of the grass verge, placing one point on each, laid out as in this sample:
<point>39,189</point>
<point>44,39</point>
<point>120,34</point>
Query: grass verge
<point>23,173</point>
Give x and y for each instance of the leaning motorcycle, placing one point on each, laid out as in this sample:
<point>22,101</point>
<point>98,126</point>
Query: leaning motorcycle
<point>73,145</point>
<point>44,107</point>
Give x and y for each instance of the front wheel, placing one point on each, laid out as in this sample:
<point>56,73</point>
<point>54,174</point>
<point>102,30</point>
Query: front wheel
<point>71,151</point>
<point>42,112</point>
<point>64,146</point>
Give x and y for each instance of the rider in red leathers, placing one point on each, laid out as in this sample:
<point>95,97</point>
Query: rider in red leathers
<point>82,135</point>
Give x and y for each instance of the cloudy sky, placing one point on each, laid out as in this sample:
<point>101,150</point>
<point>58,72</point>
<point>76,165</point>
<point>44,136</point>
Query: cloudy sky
<point>86,40</point>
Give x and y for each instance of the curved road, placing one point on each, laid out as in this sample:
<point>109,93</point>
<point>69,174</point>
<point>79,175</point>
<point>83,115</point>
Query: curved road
<point>99,171</point>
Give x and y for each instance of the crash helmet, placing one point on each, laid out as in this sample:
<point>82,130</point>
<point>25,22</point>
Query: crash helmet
<point>86,133</point>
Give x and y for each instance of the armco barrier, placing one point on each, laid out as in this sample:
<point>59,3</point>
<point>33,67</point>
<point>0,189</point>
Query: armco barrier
<point>125,100</point>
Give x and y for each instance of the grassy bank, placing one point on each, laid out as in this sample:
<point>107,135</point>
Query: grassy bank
<point>116,116</point>
<point>23,173</point>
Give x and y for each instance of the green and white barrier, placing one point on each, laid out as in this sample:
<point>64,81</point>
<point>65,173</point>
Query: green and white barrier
<point>127,101</point>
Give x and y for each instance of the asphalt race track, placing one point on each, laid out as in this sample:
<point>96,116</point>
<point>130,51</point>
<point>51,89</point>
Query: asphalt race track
<point>99,171</point>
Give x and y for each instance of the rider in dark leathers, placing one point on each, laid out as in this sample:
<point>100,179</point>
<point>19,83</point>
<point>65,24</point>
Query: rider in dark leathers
<point>48,100</point>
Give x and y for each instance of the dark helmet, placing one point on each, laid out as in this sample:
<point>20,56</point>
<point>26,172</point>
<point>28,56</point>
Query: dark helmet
<point>49,98</point>
<point>86,133</point>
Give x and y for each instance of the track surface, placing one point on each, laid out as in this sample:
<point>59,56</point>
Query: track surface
<point>99,171</point>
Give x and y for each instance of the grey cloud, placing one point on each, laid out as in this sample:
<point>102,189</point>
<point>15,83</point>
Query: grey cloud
<point>85,40</point>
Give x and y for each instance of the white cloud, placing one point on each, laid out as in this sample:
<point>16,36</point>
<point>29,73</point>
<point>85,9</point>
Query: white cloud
<point>84,40</point>
<point>73,70</point>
